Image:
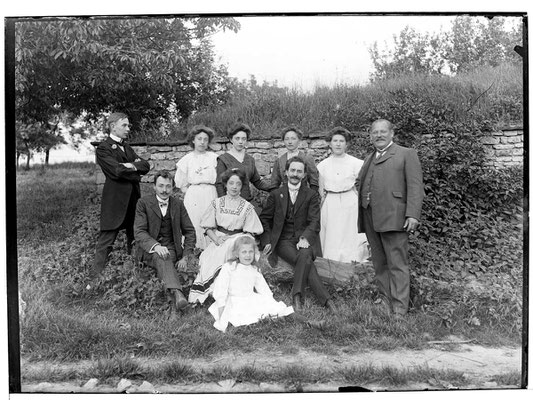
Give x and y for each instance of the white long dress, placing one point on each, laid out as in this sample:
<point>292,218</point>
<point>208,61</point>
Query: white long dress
<point>245,295</point>
<point>339,235</point>
<point>195,176</point>
<point>223,215</point>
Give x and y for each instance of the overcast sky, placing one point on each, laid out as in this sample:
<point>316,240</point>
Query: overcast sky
<point>295,51</point>
<point>302,51</point>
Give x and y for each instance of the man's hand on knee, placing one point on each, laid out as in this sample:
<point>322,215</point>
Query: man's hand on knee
<point>181,265</point>
<point>267,250</point>
<point>161,251</point>
<point>302,243</point>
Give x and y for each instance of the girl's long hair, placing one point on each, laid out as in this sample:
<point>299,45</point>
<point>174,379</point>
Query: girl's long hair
<point>242,240</point>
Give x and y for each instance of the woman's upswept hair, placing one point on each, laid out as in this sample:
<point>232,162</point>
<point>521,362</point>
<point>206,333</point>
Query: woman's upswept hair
<point>224,178</point>
<point>197,129</point>
<point>240,241</point>
<point>292,128</point>
<point>238,127</point>
<point>339,130</point>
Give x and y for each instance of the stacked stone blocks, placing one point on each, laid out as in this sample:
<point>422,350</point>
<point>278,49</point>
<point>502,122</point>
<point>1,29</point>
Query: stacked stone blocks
<point>504,147</point>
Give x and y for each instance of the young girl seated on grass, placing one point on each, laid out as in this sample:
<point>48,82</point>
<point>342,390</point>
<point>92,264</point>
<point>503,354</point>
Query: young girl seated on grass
<point>242,296</point>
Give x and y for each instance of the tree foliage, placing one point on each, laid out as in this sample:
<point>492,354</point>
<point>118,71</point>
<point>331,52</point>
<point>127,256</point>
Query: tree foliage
<point>151,68</point>
<point>471,43</point>
<point>36,137</point>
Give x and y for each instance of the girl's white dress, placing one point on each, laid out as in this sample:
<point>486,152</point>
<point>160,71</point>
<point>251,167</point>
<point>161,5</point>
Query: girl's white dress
<point>245,295</point>
<point>227,218</point>
<point>339,235</point>
<point>195,176</point>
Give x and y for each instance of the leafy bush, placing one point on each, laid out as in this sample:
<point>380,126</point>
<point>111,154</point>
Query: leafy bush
<point>124,285</point>
<point>490,96</point>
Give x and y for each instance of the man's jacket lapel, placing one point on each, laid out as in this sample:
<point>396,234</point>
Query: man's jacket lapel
<point>388,154</point>
<point>302,194</point>
<point>155,221</point>
<point>284,198</point>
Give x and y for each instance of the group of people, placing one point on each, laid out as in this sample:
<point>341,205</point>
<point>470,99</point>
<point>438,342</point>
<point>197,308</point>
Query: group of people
<point>333,209</point>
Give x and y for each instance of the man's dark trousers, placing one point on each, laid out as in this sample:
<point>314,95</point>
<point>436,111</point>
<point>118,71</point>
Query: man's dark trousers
<point>107,238</point>
<point>304,269</point>
<point>392,277</point>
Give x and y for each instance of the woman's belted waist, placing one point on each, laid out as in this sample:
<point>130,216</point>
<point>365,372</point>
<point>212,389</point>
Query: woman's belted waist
<point>227,231</point>
<point>342,191</point>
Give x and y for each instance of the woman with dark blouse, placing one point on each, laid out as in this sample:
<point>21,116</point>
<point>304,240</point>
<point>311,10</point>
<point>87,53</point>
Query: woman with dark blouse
<point>237,157</point>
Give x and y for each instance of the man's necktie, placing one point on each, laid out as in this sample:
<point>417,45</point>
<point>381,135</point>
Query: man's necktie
<point>293,193</point>
<point>163,206</point>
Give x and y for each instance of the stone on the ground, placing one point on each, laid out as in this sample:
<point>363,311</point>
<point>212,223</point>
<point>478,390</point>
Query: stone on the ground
<point>22,307</point>
<point>123,385</point>
<point>91,383</point>
<point>270,387</point>
<point>226,384</point>
<point>146,387</point>
<point>43,387</point>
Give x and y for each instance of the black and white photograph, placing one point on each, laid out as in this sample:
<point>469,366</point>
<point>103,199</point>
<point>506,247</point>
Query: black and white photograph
<point>236,201</point>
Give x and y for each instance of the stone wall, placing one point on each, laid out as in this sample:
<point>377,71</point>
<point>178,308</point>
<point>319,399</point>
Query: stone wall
<point>504,147</point>
<point>164,156</point>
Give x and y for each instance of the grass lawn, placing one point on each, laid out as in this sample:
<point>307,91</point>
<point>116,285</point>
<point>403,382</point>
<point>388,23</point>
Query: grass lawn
<point>57,228</point>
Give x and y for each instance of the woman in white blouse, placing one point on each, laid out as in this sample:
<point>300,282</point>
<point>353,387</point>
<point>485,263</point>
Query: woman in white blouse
<point>339,236</point>
<point>226,219</point>
<point>195,176</point>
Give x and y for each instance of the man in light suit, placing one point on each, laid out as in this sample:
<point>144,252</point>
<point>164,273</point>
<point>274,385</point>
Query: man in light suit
<point>123,170</point>
<point>291,223</point>
<point>390,202</point>
<point>160,222</point>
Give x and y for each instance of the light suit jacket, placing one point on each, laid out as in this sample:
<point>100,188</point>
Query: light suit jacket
<point>397,189</point>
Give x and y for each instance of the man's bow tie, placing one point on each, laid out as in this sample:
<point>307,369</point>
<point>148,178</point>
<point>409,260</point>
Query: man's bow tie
<point>163,203</point>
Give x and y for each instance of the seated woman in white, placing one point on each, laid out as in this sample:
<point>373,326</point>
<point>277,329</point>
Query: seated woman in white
<point>227,218</point>
<point>242,296</point>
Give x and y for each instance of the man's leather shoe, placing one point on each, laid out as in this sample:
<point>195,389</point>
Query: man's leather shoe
<point>93,280</point>
<point>398,317</point>
<point>181,301</point>
<point>172,313</point>
<point>383,304</point>
<point>317,324</point>
<point>297,302</point>
<point>332,307</point>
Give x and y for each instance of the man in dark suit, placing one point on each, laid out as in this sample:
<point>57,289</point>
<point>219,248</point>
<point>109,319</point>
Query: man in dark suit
<point>390,202</point>
<point>291,223</point>
<point>160,223</point>
<point>122,169</point>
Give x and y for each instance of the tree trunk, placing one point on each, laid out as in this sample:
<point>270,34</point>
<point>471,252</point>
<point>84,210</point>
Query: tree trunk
<point>28,156</point>
<point>46,157</point>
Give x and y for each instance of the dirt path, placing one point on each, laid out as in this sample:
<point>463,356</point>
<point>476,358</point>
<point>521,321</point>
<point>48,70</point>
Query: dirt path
<point>479,364</point>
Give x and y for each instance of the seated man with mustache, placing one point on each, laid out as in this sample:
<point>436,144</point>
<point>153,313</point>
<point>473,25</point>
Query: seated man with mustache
<point>291,224</point>
<point>160,222</point>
